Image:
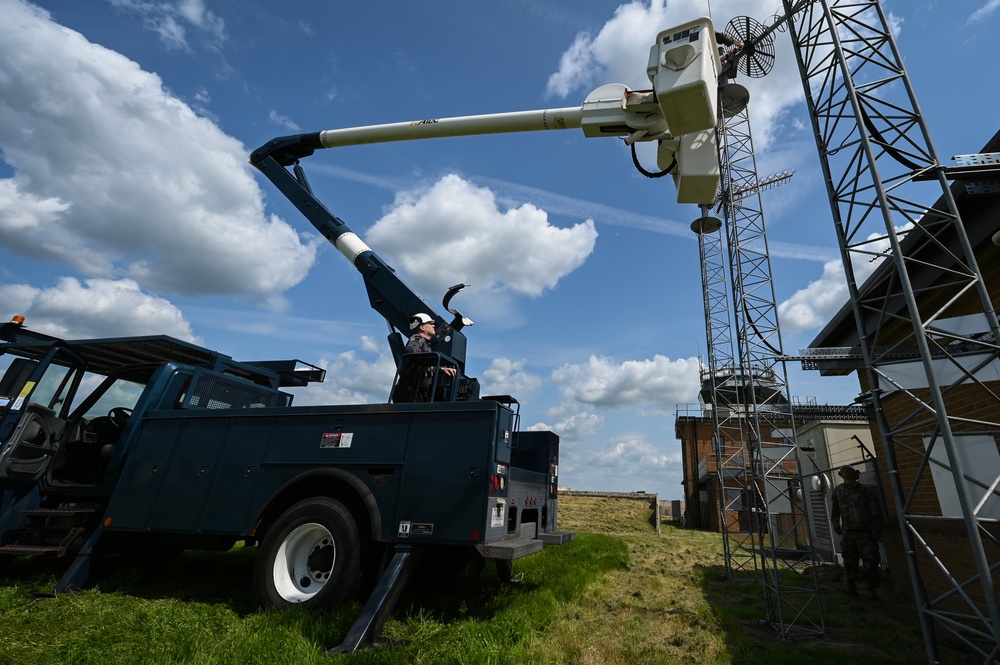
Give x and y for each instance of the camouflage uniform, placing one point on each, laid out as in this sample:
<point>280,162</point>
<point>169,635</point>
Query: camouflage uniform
<point>857,514</point>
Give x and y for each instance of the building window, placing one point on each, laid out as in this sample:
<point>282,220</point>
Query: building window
<point>980,461</point>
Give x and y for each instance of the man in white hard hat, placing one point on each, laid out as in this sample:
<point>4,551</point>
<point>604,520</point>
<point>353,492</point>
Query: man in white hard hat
<point>415,382</point>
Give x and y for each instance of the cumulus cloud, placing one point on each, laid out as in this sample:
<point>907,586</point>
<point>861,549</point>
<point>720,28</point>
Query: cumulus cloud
<point>813,306</point>
<point>626,462</point>
<point>619,52</point>
<point>573,422</point>
<point>631,451</point>
<point>637,388</point>
<point>455,232</point>
<point>507,377</point>
<point>352,377</point>
<point>170,20</point>
<point>576,67</point>
<point>115,177</point>
<point>659,383</point>
<point>95,308</point>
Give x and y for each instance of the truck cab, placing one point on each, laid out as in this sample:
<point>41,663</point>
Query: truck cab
<point>67,406</point>
<point>72,414</point>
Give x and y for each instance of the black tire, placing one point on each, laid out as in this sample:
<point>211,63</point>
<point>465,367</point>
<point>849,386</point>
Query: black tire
<point>310,556</point>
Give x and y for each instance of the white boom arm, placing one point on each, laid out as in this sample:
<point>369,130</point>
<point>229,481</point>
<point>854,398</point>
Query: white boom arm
<point>679,112</point>
<point>496,123</point>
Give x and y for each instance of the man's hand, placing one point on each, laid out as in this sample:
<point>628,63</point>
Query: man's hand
<point>450,371</point>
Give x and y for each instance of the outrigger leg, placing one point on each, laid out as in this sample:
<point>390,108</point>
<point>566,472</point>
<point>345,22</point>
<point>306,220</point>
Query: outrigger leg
<point>373,615</point>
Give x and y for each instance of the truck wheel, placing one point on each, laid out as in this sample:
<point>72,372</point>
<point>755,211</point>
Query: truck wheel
<point>310,557</point>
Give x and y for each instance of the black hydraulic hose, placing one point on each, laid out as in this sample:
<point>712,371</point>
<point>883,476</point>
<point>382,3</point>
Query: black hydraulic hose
<point>650,174</point>
<point>891,150</point>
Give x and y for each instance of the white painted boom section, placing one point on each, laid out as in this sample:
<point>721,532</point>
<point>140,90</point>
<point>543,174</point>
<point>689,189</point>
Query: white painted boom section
<point>495,123</point>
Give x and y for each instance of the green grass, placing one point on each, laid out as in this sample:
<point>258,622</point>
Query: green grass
<point>617,594</point>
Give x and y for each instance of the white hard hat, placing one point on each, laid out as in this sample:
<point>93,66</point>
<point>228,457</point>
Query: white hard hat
<point>420,319</point>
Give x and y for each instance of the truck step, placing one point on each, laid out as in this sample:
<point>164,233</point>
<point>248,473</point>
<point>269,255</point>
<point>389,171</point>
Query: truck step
<point>510,549</point>
<point>558,537</point>
<point>43,541</point>
<point>57,512</point>
<point>18,550</point>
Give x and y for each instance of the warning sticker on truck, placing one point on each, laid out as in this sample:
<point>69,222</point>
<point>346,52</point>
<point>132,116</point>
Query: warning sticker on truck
<point>336,440</point>
<point>406,529</point>
<point>25,391</point>
<point>497,513</point>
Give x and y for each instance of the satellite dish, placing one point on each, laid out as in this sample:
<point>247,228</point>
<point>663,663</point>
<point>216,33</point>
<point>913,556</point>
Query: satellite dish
<point>733,98</point>
<point>706,224</point>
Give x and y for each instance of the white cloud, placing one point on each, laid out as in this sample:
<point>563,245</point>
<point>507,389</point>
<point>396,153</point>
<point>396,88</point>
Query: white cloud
<point>167,19</point>
<point>617,54</point>
<point>507,377</point>
<point>454,232</point>
<point>284,121</point>
<point>627,462</point>
<point>575,208</point>
<point>631,451</point>
<point>813,306</point>
<point>573,422</point>
<point>659,383</point>
<point>95,308</point>
<point>352,378</point>
<point>575,68</point>
<point>984,11</point>
<point>20,213</point>
<point>114,176</point>
<point>620,51</point>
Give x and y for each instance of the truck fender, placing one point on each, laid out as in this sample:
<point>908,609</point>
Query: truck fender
<point>316,483</point>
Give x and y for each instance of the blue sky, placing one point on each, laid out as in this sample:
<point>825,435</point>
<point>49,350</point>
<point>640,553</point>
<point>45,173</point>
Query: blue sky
<point>127,205</point>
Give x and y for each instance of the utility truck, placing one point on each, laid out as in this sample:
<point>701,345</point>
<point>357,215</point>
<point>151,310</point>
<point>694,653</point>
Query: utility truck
<point>145,445</point>
<point>137,445</point>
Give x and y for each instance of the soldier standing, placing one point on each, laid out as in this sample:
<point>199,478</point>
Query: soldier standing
<point>857,516</point>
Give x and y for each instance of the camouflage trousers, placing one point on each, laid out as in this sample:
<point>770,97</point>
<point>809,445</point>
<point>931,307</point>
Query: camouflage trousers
<point>858,546</point>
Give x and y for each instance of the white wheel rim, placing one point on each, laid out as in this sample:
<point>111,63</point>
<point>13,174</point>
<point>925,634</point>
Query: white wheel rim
<point>304,562</point>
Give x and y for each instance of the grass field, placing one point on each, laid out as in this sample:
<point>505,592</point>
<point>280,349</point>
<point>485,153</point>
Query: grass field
<point>618,594</point>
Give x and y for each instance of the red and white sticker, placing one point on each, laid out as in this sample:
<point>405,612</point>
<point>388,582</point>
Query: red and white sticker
<point>336,440</point>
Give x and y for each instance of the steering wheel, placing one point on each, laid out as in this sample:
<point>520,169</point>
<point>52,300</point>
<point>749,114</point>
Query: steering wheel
<point>119,416</point>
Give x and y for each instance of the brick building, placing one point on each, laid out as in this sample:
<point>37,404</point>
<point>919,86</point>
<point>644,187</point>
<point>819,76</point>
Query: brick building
<point>828,436</point>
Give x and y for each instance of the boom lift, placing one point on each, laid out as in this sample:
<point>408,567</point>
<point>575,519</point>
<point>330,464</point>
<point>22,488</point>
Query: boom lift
<point>180,446</point>
<point>679,113</point>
